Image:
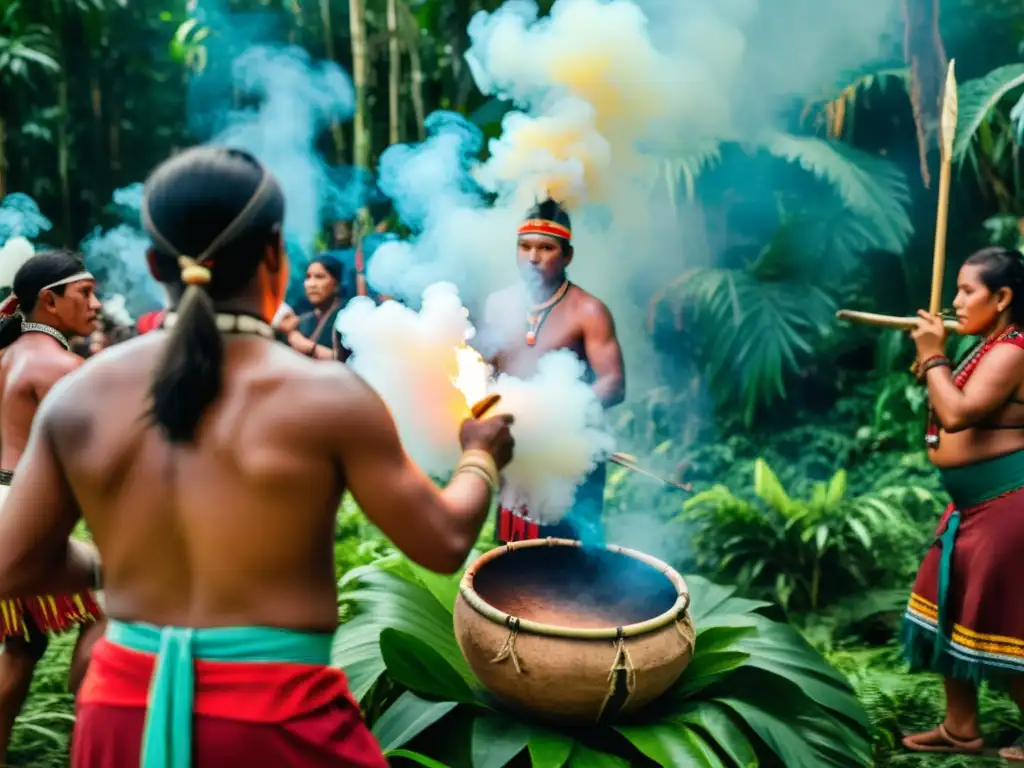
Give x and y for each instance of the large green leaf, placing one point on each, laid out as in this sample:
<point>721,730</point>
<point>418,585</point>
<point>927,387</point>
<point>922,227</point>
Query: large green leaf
<point>671,744</point>
<point>781,650</point>
<point>549,749</point>
<point>385,600</point>
<point>721,728</point>
<point>976,98</point>
<point>585,757</point>
<point>783,739</point>
<point>496,740</point>
<point>418,667</point>
<point>719,655</point>
<point>407,718</point>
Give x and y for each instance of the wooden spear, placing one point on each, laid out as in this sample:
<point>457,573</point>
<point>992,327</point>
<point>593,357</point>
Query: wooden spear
<point>947,131</point>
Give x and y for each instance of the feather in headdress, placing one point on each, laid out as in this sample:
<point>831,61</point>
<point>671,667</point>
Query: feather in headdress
<point>13,255</point>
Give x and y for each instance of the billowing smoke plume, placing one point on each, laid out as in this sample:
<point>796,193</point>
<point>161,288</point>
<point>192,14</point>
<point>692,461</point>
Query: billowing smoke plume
<point>270,100</point>
<point>606,94</point>
<point>296,100</point>
<point>412,359</point>
<point>20,217</point>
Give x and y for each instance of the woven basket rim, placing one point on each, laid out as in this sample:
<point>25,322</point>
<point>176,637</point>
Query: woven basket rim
<point>676,613</point>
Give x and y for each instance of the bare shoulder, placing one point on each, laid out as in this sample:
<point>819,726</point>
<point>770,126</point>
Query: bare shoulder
<point>589,307</point>
<point>1002,359</point>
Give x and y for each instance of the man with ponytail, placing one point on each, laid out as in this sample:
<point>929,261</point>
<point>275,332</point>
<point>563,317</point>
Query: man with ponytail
<point>209,462</point>
<point>50,299</point>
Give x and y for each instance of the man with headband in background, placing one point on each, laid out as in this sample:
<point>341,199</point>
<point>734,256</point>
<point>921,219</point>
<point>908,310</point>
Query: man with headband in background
<point>52,298</point>
<point>545,313</point>
<point>212,500</point>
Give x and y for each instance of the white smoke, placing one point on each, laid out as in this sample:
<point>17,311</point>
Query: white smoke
<point>410,358</point>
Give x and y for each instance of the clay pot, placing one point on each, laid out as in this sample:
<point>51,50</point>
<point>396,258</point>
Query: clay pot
<point>571,634</point>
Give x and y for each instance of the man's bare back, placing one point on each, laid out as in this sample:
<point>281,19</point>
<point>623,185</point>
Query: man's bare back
<point>236,530</point>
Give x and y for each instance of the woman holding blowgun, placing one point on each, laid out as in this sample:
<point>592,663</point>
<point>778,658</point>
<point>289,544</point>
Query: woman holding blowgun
<point>965,619</point>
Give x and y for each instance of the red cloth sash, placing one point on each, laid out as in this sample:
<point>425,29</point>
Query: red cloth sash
<point>262,692</point>
<point>245,713</point>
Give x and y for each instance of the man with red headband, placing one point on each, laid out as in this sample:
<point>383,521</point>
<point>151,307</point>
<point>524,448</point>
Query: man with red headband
<point>52,299</point>
<point>546,312</point>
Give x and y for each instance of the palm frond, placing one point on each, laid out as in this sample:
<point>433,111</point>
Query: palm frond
<point>869,186</point>
<point>976,99</point>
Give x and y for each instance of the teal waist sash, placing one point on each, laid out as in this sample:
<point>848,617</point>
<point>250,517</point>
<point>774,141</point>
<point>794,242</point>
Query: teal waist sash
<point>969,486</point>
<point>167,740</point>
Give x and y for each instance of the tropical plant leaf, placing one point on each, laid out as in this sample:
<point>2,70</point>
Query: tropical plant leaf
<point>407,718</point>
<point>869,186</point>
<point>671,744</point>
<point>383,600</point>
<point>549,749</point>
<point>496,740</point>
<point>418,667</point>
<point>720,726</point>
<point>781,650</point>
<point>976,98</point>
<point>585,757</point>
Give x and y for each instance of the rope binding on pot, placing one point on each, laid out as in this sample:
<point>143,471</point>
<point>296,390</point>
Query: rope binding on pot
<point>508,650</point>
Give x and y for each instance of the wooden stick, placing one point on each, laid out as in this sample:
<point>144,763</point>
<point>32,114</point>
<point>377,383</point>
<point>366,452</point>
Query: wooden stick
<point>627,461</point>
<point>886,321</point>
<point>483,406</point>
<point>947,132</point>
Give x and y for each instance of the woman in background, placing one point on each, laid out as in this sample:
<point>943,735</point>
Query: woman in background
<point>965,619</point>
<point>312,333</point>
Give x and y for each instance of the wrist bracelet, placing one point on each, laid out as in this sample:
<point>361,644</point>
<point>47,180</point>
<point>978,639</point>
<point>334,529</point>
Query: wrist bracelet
<point>491,485</point>
<point>936,361</point>
<point>480,462</point>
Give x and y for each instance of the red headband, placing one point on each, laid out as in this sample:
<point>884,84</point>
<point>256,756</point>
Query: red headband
<point>545,227</point>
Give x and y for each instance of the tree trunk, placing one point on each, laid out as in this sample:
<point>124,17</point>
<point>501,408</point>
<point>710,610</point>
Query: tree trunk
<point>412,34</point>
<point>336,132</point>
<point>394,75</point>
<point>63,151</point>
<point>360,125</point>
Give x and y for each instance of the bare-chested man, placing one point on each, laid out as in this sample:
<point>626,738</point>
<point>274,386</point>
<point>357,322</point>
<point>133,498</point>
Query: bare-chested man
<point>52,299</point>
<point>209,461</point>
<point>544,313</point>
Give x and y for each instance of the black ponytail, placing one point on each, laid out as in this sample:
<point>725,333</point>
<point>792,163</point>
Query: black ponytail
<point>211,213</point>
<point>10,329</point>
<point>1002,268</point>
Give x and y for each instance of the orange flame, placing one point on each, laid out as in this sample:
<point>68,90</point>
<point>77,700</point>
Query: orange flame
<point>472,374</point>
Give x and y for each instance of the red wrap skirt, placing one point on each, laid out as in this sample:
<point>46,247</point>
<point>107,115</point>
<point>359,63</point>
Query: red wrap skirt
<point>244,713</point>
<point>964,619</point>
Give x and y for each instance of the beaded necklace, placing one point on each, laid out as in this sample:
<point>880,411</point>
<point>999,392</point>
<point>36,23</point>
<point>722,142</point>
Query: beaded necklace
<point>53,333</point>
<point>539,313</point>
<point>962,373</point>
